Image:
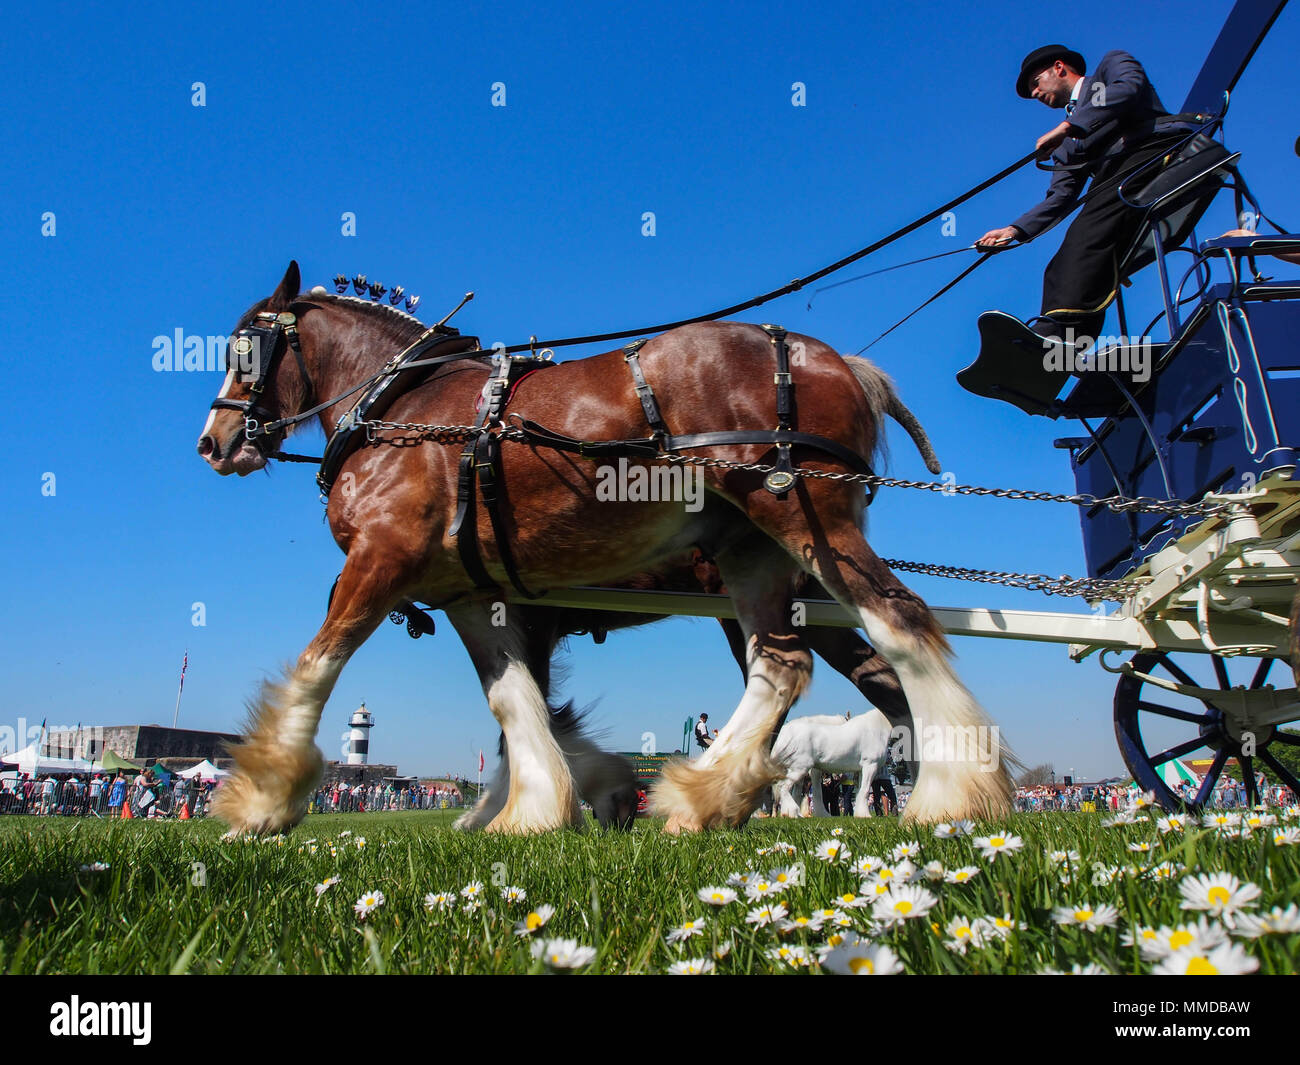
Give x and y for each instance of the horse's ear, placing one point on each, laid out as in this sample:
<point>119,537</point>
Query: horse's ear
<point>288,290</point>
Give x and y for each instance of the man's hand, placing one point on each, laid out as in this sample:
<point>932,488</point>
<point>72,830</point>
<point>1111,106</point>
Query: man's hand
<point>995,238</point>
<point>1051,140</point>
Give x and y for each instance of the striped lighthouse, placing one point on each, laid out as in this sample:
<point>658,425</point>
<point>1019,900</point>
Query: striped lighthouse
<point>359,738</point>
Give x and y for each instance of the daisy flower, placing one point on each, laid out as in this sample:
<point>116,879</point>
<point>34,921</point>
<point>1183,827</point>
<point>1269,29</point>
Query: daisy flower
<point>361,843</point>
<point>962,934</point>
<point>368,903</point>
<point>325,885</point>
<point>962,875</point>
<point>834,941</point>
<point>1223,820</point>
<point>1163,871</point>
<point>716,896</point>
<point>1140,848</point>
<point>98,867</point>
<point>796,957</point>
<point>1227,959</point>
<point>687,929</point>
<point>1105,874</point>
<point>852,901</point>
<point>943,830</point>
<point>691,967</point>
<point>1124,817</point>
<point>831,850</point>
<point>472,890</point>
<point>1172,823</point>
<point>760,888</point>
<point>1286,837</point>
<point>472,906</point>
<point>933,871</point>
<point>802,923</point>
<point>1147,798</point>
<point>1084,916</point>
<point>867,864</point>
<point>721,950</point>
<point>1165,941</point>
<point>1220,894</point>
<point>1277,921</point>
<point>837,832</point>
<point>992,846</point>
<point>563,953</point>
<point>1077,970</point>
<point>1258,820</point>
<point>992,927</point>
<point>903,902</point>
<point>786,876</point>
<point>534,920</point>
<point>443,900</point>
<point>908,850</point>
<point>514,894</point>
<point>346,832</point>
<point>1061,857</point>
<point>740,880</point>
<point>762,916</point>
<point>862,959</point>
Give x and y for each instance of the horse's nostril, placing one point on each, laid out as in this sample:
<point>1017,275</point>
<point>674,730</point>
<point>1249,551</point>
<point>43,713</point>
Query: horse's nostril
<point>206,446</point>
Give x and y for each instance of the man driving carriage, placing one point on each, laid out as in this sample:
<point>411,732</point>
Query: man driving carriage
<point>1114,124</point>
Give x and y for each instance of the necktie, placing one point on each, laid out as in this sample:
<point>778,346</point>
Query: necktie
<point>1069,109</point>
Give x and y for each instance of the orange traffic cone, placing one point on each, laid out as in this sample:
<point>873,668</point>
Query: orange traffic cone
<point>127,815</point>
<point>185,813</point>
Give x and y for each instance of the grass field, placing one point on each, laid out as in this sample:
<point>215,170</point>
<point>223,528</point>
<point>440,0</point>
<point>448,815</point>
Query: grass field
<point>176,897</point>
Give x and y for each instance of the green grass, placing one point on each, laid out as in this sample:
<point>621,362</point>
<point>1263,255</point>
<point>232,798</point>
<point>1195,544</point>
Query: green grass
<point>255,909</point>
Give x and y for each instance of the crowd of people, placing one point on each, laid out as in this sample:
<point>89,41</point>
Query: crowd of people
<point>340,797</point>
<point>1227,795</point>
<point>145,794</point>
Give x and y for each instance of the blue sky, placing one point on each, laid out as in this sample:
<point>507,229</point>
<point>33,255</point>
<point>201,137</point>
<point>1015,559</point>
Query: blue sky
<point>168,215</point>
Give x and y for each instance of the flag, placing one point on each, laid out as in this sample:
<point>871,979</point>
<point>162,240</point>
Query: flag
<point>184,666</point>
<point>480,761</point>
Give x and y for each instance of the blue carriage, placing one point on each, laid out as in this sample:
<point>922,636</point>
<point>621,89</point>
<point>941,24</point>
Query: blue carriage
<point>1209,415</point>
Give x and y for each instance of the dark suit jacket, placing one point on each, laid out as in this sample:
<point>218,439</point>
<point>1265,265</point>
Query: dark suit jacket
<point>1118,110</point>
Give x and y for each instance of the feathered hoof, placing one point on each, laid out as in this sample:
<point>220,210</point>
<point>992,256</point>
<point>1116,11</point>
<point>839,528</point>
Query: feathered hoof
<point>722,795</point>
<point>268,793</point>
<point>467,822</point>
<point>981,797</point>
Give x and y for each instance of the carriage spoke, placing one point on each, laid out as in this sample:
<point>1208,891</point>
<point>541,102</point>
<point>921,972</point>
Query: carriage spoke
<point>1176,671</point>
<point>1265,664</point>
<point>1178,751</point>
<point>1206,789</point>
<point>1284,774</point>
<point>1221,672</point>
<point>1248,778</point>
<point>1291,739</point>
<point>1169,711</point>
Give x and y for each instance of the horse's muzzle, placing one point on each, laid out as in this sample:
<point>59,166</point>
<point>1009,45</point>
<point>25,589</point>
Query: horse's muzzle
<point>242,459</point>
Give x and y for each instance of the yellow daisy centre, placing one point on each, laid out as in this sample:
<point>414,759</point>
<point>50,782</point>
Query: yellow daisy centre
<point>903,906</point>
<point>861,965</point>
<point>717,896</point>
<point>1200,966</point>
<point>1148,933</point>
<point>835,939</point>
<point>886,874</point>
<point>533,921</point>
<point>998,841</point>
<point>1001,922</point>
<point>962,932</point>
<point>1083,915</point>
<point>1218,895</point>
<point>961,878</point>
<point>1180,939</point>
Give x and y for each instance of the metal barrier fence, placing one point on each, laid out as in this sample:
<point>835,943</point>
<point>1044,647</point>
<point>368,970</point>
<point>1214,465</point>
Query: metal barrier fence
<point>79,798</point>
<point>381,798</point>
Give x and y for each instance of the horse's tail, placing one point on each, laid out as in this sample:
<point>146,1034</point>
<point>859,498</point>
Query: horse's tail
<point>1295,638</point>
<point>883,399</point>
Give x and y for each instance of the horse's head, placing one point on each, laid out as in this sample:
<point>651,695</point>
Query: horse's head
<point>262,385</point>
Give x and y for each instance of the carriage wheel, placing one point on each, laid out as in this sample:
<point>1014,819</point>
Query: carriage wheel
<point>1139,703</point>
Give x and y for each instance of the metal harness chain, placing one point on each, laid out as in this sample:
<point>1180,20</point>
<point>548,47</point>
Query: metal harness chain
<point>1091,588</point>
<point>1118,504</point>
<point>1084,587</point>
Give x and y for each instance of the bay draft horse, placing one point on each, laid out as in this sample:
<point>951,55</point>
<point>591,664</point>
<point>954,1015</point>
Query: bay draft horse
<point>393,526</point>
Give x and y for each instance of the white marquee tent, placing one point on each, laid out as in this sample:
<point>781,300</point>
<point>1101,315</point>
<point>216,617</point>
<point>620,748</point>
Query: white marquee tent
<point>29,760</point>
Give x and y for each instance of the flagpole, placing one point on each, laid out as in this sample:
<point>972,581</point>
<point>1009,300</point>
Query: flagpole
<point>176,713</point>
